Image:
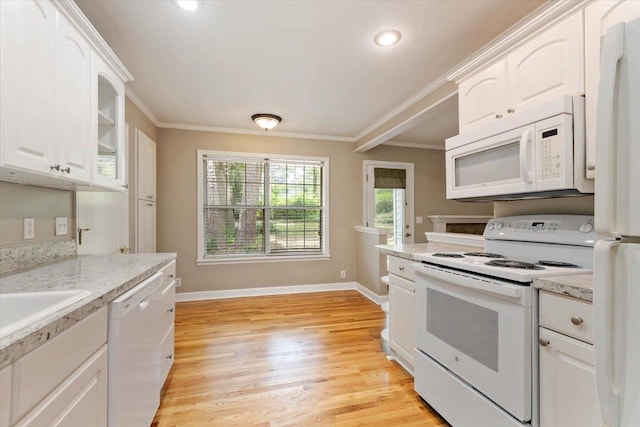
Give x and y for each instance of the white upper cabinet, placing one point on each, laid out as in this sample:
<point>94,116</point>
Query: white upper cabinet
<point>73,118</point>
<point>146,167</point>
<point>54,78</point>
<point>108,125</point>
<point>599,16</point>
<point>546,66</point>
<point>27,84</point>
<point>483,96</point>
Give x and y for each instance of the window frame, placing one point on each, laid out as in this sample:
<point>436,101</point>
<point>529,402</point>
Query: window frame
<point>261,257</point>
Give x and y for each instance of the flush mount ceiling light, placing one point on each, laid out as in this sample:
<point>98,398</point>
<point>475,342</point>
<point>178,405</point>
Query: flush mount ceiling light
<point>387,38</point>
<point>266,121</point>
<point>190,5</point>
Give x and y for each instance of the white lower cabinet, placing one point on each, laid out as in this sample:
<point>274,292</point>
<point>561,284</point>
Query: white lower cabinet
<point>402,311</point>
<point>567,364</point>
<point>5,396</point>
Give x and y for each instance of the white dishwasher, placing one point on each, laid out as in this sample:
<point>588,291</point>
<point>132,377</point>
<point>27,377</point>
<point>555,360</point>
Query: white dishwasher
<point>135,322</point>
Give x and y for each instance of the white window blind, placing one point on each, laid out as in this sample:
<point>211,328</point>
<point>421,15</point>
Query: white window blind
<point>256,206</point>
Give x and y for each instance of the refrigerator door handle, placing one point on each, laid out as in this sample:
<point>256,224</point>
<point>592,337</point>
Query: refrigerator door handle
<point>603,299</point>
<point>612,51</point>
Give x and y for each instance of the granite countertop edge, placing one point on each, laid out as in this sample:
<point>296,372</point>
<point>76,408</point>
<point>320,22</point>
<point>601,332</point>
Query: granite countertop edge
<point>576,286</point>
<point>23,341</point>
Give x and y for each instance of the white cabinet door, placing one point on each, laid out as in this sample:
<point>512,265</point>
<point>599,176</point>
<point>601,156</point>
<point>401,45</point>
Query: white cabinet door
<point>27,84</point>
<point>482,98</point>
<point>146,167</point>
<point>167,354</point>
<point>402,318</point>
<point>146,227</point>
<point>567,382</point>
<point>73,102</point>
<point>548,66</point>
<point>599,17</point>
<point>5,396</point>
<point>80,401</point>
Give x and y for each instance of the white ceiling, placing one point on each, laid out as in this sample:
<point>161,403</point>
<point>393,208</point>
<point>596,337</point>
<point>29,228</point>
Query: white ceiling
<point>311,62</point>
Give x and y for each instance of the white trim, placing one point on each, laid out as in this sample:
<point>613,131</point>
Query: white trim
<point>414,145</point>
<point>141,105</point>
<point>325,255</point>
<point>456,239</point>
<point>205,128</point>
<point>371,230</point>
<point>280,290</point>
<point>535,22</point>
<point>402,126</point>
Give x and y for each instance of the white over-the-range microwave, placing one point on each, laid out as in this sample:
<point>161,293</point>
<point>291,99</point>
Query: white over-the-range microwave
<point>537,153</point>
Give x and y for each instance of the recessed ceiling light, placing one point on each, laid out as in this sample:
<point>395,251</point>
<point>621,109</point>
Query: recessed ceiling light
<point>387,38</point>
<point>190,5</point>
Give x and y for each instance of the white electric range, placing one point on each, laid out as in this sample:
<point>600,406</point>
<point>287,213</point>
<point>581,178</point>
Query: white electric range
<point>477,317</point>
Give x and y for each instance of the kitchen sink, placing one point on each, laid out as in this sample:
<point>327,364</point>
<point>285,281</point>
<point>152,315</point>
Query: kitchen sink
<point>19,310</point>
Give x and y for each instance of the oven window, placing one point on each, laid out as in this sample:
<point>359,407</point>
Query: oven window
<point>495,165</point>
<point>467,327</point>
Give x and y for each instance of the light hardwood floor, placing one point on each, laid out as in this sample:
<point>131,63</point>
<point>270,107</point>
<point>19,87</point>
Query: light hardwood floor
<point>290,360</point>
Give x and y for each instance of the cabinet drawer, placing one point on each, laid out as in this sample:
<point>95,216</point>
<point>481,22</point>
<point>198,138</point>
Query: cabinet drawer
<point>566,315</point>
<point>168,273</point>
<point>169,304</point>
<point>401,267</point>
<point>38,373</point>
<point>166,352</point>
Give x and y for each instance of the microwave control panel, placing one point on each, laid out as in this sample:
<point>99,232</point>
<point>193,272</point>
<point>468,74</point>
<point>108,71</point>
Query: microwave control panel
<point>549,153</point>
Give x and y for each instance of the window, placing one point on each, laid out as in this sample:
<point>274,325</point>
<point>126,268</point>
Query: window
<point>260,206</point>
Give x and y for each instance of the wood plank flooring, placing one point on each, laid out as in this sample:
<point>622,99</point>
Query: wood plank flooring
<point>287,360</point>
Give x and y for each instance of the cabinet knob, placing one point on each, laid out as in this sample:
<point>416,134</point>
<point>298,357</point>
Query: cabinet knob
<point>498,116</point>
<point>150,204</point>
<point>407,235</point>
<point>170,310</point>
<point>511,110</point>
<point>401,268</point>
<point>169,357</point>
<point>55,167</point>
<point>591,167</point>
<point>577,320</point>
<point>544,342</point>
<point>149,197</point>
<point>67,169</point>
<point>170,276</point>
<point>125,186</point>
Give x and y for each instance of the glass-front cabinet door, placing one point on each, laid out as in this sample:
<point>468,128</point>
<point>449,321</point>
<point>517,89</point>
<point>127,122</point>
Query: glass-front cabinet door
<point>109,127</point>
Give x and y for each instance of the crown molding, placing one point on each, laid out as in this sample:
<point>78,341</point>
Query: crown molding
<point>204,128</point>
<point>142,106</point>
<point>394,143</point>
<point>77,18</point>
<point>538,20</point>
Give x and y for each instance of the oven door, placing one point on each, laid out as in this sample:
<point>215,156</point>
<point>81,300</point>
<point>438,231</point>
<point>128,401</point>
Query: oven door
<point>498,165</point>
<point>479,329</point>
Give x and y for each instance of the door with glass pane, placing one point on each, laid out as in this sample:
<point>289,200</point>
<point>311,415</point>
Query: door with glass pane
<point>389,199</point>
<point>502,164</point>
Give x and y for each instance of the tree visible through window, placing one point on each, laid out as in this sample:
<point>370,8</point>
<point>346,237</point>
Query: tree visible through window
<point>257,206</point>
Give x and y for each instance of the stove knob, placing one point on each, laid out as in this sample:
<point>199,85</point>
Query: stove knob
<point>585,227</point>
<point>490,225</point>
<point>498,225</point>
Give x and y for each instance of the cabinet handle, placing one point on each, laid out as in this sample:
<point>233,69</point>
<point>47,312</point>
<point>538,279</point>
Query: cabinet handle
<point>544,342</point>
<point>67,169</point>
<point>55,167</point>
<point>169,357</point>
<point>498,116</point>
<point>577,320</point>
<point>511,110</point>
<point>125,186</point>
<point>149,197</point>
<point>170,310</point>
<point>150,204</point>
<point>401,268</point>
<point>407,235</point>
<point>170,276</point>
<point>591,167</point>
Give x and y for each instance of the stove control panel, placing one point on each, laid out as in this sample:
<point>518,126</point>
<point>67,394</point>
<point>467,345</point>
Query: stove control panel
<point>556,229</point>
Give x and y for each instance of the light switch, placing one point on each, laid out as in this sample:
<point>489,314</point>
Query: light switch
<point>29,226</point>
<point>61,225</point>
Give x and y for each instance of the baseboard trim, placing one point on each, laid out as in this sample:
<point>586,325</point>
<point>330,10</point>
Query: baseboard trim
<point>280,290</point>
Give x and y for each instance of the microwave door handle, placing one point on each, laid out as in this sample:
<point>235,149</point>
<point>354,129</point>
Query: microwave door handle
<point>524,156</point>
<point>612,51</point>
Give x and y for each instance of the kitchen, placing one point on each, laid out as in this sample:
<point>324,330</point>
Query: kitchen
<point>161,111</point>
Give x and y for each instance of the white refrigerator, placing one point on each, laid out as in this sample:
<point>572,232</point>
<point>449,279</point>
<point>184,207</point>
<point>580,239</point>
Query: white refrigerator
<point>617,221</point>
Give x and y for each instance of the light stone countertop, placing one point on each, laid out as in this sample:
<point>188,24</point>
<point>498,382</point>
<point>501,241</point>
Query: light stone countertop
<point>577,286</point>
<point>105,276</point>
<point>407,251</point>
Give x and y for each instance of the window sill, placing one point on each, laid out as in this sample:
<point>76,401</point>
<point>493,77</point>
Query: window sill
<point>261,259</point>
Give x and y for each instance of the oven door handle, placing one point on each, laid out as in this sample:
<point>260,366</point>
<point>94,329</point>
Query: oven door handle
<point>503,289</point>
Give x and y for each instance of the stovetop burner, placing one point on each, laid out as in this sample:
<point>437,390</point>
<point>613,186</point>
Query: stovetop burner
<point>447,255</point>
<point>514,264</point>
<point>558,264</point>
<point>484,254</point>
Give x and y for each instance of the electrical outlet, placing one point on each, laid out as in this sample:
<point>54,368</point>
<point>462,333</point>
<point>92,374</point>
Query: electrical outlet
<point>61,225</point>
<point>29,228</point>
<point>178,282</point>
<point>418,220</point>
<point>343,274</point>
